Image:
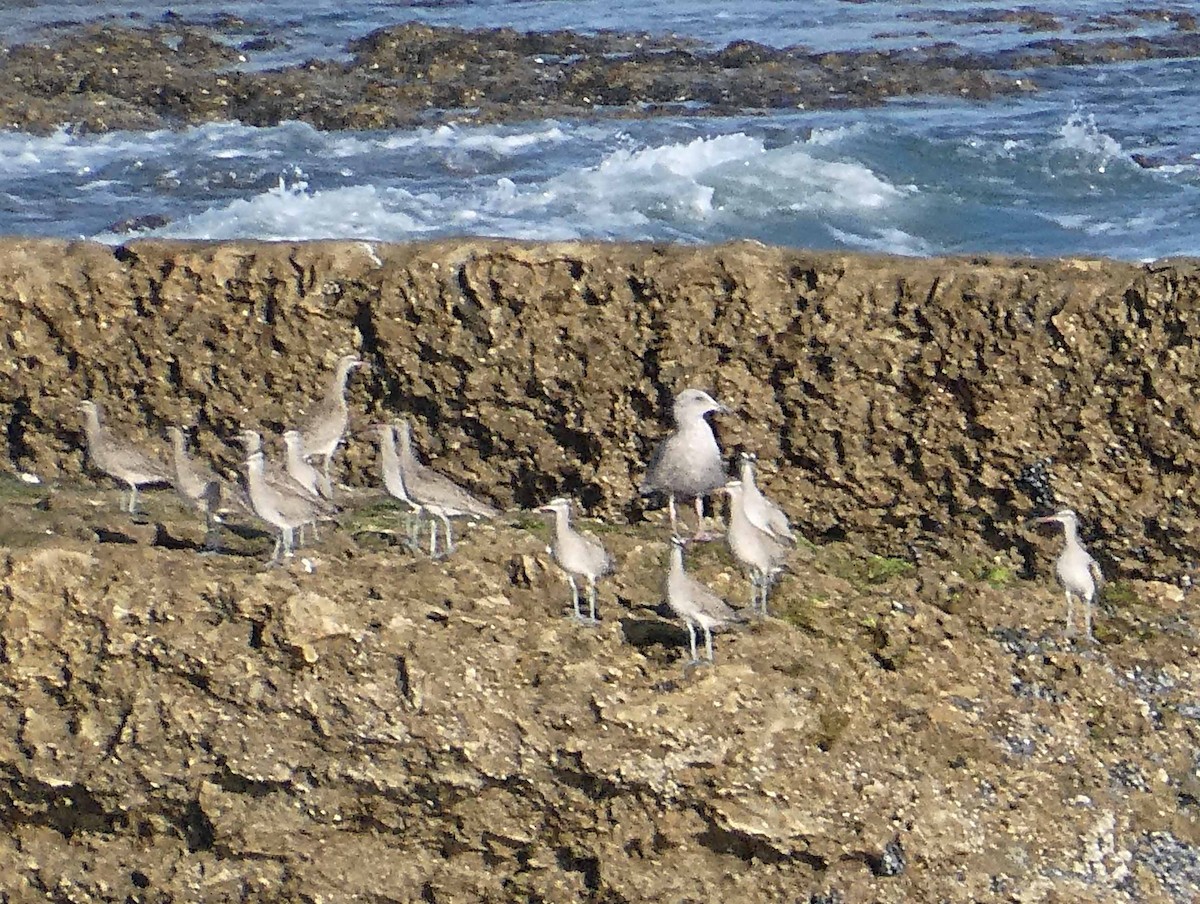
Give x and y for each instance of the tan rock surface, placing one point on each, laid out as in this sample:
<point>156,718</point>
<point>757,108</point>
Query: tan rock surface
<point>372,725</point>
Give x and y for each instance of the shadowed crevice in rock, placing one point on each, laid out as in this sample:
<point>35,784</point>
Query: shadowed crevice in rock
<point>898,400</point>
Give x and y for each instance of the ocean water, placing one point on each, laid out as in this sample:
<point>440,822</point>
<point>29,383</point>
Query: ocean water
<point>1047,173</point>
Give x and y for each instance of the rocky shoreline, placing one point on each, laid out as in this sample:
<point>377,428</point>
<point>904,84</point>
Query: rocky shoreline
<point>911,726</point>
<point>176,72</point>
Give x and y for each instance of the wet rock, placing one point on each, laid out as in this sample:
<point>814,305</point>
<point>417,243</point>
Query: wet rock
<point>179,70</point>
<point>138,223</point>
<point>199,725</point>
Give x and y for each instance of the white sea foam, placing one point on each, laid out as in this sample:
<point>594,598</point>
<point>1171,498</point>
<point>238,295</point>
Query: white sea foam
<point>501,142</point>
<point>702,189</point>
<point>683,185</point>
<point>1080,134</point>
<point>292,212</point>
<point>890,241</point>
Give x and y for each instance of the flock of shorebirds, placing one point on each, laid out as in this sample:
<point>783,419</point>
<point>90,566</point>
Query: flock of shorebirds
<point>688,464</point>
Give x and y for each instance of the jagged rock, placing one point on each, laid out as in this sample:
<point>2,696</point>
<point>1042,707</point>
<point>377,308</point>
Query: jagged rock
<point>379,725</point>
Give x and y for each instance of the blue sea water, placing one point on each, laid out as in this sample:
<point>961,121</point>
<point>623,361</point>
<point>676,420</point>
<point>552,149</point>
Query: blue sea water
<point>1051,172</point>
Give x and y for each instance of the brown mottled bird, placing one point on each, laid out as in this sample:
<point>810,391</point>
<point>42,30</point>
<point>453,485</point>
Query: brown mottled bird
<point>694,603</point>
<point>1077,571</point>
<point>577,555</point>
<point>323,429</point>
<point>436,493</point>
<point>120,460</point>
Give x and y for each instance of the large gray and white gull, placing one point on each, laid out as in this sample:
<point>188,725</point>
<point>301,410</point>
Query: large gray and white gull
<point>322,430</point>
<point>755,548</point>
<point>761,511</point>
<point>579,556</point>
<point>435,493</point>
<point>196,482</point>
<point>687,464</point>
<point>694,603</point>
<point>120,460</point>
<point>1078,573</point>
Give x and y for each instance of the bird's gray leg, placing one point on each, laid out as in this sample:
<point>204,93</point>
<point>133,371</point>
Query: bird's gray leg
<point>433,538</point>
<point>316,533</point>
<point>289,545</point>
<point>671,509</point>
<point>449,535</point>
<point>1087,608</point>
<point>692,638</point>
<point>211,530</point>
<point>575,596</point>
<point>1070,614</point>
<point>708,643</point>
<point>133,499</point>
<point>700,534</point>
<point>592,597</point>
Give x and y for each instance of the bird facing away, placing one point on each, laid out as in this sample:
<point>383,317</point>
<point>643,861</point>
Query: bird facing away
<point>756,549</point>
<point>694,603</point>
<point>280,482</point>
<point>761,511</point>
<point>119,460</point>
<point>393,482</point>
<point>687,464</point>
<point>300,469</point>
<point>323,429</point>
<point>435,493</point>
<point>195,482</point>
<point>1077,571</point>
<point>577,555</point>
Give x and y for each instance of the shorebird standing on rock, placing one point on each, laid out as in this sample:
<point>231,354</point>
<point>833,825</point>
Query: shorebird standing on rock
<point>1077,571</point>
<point>688,463</point>
<point>280,505</point>
<point>577,555</point>
<point>436,493</point>
<point>119,460</point>
<point>282,484</point>
<point>761,511</point>
<point>695,603</point>
<point>300,469</point>
<point>323,429</point>
<point>758,550</point>
<point>196,483</point>
<point>393,481</point>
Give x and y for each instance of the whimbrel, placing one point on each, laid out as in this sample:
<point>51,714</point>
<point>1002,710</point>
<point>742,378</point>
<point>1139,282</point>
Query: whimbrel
<point>281,482</point>
<point>196,483</point>
<point>693,602</point>
<point>435,493</point>
<point>119,460</point>
<point>393,482</point>
<point>577,555</point>
<point>761,511</point>
<point>300,469</point>
<point>756,549</point>
<point>688,463</point>
<point>325,425</point>
<point>281,508</point>
<point>1077,571</point>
